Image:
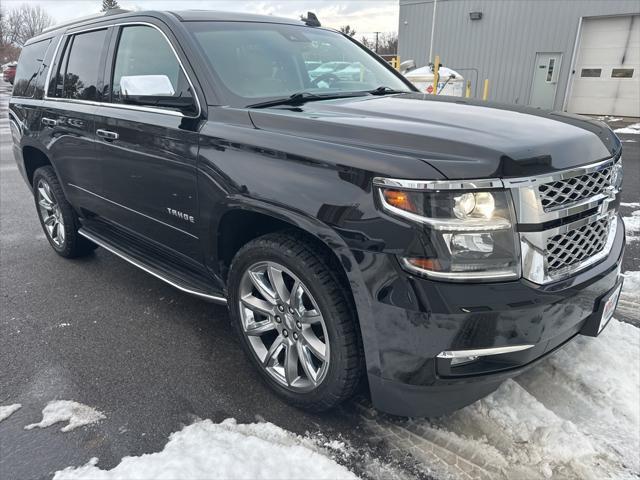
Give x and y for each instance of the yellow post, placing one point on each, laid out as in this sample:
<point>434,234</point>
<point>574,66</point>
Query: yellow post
<point>485,93</point>
<point>468,90</point>
<point>395,62</point>
<point>436,75</point>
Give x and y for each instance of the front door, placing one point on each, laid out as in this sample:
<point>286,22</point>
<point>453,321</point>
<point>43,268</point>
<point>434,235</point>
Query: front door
<point>147,138</point>
<point>545,80</point>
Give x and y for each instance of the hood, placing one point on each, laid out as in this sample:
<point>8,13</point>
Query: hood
<point>461,138</point>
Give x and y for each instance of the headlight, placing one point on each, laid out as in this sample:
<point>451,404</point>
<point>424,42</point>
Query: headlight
<point>469,234</point>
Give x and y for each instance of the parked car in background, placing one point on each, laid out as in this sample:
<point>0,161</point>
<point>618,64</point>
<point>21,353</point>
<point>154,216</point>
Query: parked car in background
<point>436,245</point>
<point>9,72</point>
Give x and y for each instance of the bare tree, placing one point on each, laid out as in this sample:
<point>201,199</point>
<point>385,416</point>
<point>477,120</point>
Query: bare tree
<point>109,5</point>
<point>387,43</point>
<point>27,21</point>
<point>347,30</point>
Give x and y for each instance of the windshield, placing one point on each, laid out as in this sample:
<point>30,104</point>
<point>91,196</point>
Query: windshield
<point>265,61</point>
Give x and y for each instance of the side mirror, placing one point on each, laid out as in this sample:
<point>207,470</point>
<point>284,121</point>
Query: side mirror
<point>153,90</point>
<point>146,86</point>
<point>407,66</point>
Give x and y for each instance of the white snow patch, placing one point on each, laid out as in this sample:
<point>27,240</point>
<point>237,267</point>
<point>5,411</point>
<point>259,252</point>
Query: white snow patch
<point>62,325</point>
<point>629,129</point>
<point>225,450</point>
<point>629,303</point>
<point>574,416</point>
<point>8,410</point>
<point>632,226</point>
<point>630,204</point>
<point>629,141</point>
<point>75,413</point>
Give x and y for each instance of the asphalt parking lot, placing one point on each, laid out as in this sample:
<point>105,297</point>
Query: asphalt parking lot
<point>101,332</point>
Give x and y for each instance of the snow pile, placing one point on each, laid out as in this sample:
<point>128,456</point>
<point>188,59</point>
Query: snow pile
<point>8,410</point>
<point>75,413</point>
<point>629,303</point>
<point>576,415</point>
<point>225,450</point>
<point>632,226</point>
<point>629,129</point>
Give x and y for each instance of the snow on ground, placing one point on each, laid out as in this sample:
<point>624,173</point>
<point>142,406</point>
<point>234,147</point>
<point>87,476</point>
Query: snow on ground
<point>225,450</point>
<point>632,226</point>
<point>75,413</point>
<point>629,129</point>
<point>576,415</point>
<point>8,410</point>
<point>629,303</point>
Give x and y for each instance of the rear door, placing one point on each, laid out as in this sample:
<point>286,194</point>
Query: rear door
<point>149,147</point>
<point>68,123</point>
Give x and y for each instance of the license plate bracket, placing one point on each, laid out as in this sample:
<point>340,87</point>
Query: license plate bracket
<point>603,313</point>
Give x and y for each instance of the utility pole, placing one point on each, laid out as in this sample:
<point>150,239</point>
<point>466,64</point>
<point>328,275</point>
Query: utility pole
<point>377,34</point>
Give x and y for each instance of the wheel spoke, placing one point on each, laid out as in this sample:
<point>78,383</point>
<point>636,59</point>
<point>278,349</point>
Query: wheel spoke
<point>316,346</point>
<point>307,364</point>
<point>311,317</point>
<point>258,281</point>
<point>277,282</point>
<point>45,193</point>
<point>295,300</point>
<point>44,203</point>
<point>291,364</point>
<point>257,305</point>
<point>260,328</point>
<point>271,358</point>
<point>50,221</point>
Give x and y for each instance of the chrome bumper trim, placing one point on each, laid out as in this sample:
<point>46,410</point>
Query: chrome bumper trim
<point>483,352</point>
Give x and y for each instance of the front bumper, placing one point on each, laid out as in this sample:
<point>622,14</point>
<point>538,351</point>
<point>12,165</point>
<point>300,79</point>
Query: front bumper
<point>414,319</point>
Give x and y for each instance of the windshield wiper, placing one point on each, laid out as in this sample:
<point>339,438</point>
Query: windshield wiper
<point>384,90</point>
<point>303,97</point>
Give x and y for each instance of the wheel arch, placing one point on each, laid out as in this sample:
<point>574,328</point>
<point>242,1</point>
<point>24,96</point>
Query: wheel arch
<point>33,159</point>
<point>244,222</point>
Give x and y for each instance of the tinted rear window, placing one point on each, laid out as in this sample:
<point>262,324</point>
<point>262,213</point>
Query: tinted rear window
<point>29,67</point>
<point>78,72</point>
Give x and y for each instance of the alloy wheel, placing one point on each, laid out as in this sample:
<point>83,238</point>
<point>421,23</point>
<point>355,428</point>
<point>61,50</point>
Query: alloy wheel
<point>284,326</point>
<point>50,213</point>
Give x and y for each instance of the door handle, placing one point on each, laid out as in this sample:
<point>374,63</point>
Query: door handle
<point>49,122</point>
<point>107,135</point>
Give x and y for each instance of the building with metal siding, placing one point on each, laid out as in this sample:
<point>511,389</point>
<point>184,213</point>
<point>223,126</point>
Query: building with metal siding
<point>507,45</point>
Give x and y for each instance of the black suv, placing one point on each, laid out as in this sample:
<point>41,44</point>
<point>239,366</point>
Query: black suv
<point>351,224</point>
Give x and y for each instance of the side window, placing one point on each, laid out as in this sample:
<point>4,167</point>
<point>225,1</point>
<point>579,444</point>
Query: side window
<point>29,66</point>
<point>77,76</point>
<point>147,72</point>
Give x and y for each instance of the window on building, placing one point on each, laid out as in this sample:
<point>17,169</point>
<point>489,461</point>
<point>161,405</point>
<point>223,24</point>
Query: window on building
<point>552,63</point>
<point>591,72</point>
<point>622,73</point>
<point>29,67</point>
<point>77,76</point>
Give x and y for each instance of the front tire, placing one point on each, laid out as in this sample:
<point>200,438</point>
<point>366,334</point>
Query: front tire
<point>57,217</point>
<point>295,321</point>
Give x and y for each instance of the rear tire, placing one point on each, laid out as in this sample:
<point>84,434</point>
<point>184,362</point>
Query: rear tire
<point>57,217</point>
<point>303,313</point>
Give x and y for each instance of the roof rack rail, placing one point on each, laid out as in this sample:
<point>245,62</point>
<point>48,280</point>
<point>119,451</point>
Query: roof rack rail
<point>95,16</point>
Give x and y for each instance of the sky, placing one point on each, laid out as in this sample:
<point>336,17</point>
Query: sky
<point>366,16</point>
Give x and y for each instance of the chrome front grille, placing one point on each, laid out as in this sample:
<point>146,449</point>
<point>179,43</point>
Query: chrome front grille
<point>567,191</point>
<point>568,249</point>
<point>567,219</point>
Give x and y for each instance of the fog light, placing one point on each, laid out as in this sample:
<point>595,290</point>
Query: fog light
<point>455,362</point>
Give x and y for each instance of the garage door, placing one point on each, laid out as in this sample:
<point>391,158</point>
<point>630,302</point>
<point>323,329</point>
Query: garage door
<point>607,71</point>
